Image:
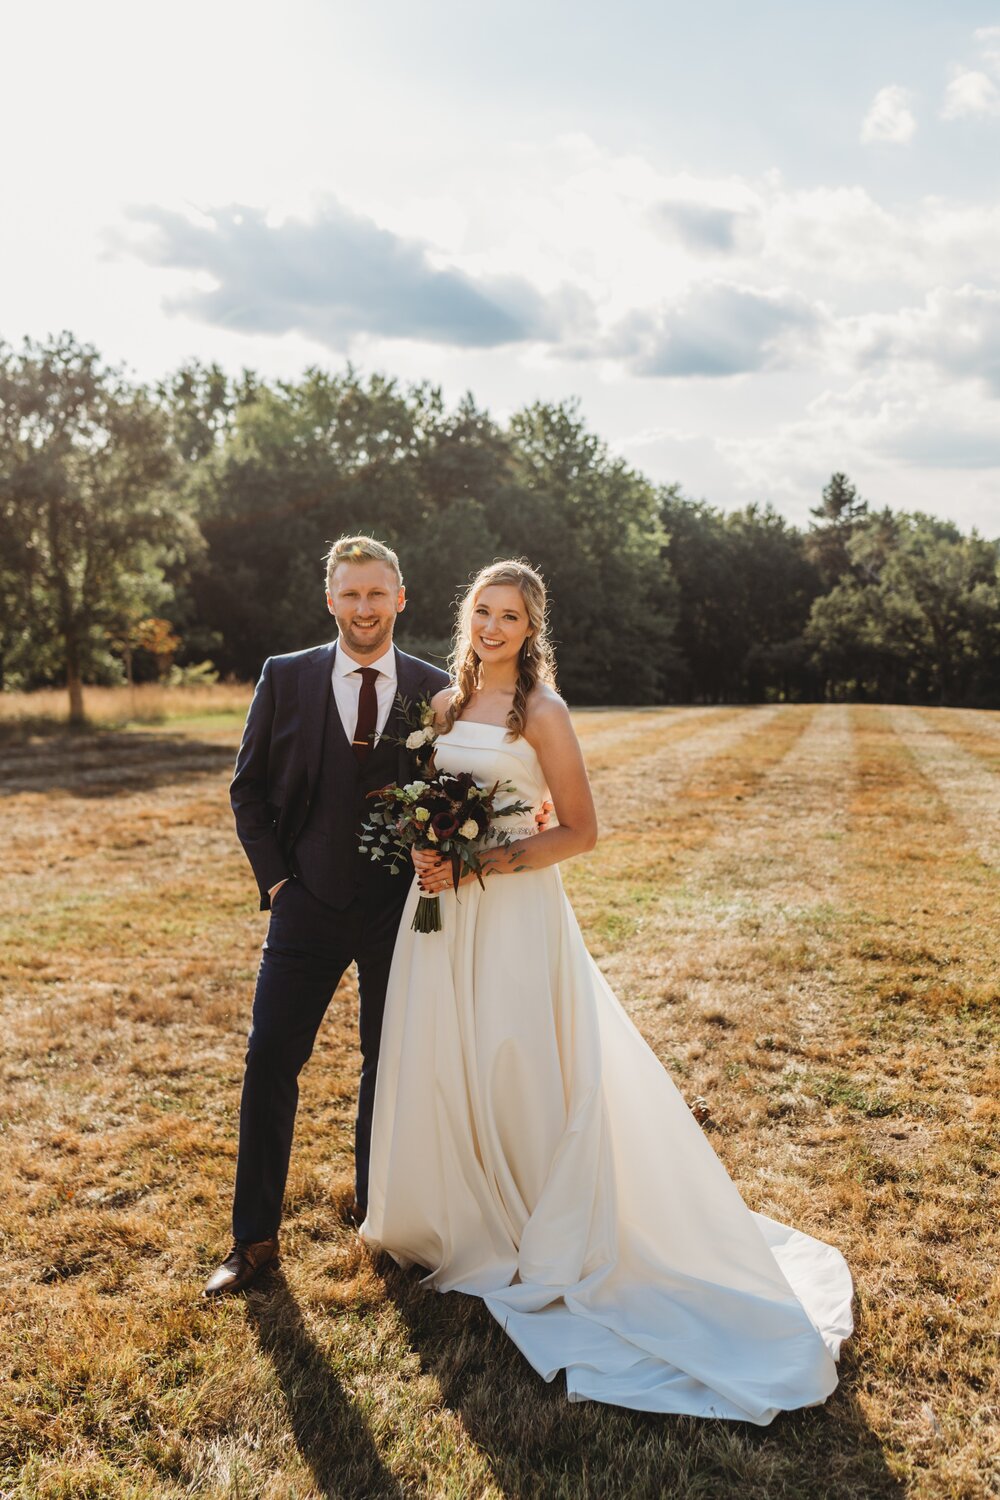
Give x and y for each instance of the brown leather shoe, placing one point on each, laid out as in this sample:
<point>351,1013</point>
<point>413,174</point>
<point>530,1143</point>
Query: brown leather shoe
<point>241,1265</point>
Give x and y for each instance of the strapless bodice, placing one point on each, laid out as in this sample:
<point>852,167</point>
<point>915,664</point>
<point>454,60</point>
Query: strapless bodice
<point>486,751</point>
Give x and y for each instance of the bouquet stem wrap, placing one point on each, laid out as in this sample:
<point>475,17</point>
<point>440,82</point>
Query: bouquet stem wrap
<point>427,917</point>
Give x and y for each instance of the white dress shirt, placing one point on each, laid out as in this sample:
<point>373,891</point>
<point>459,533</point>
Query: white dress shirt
<point>347,689</point>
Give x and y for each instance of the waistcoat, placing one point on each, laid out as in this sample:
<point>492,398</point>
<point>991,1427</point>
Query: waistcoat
<point>325,857</point>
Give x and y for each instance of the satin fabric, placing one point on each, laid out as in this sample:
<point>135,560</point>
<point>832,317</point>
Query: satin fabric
<point>529,1148</point>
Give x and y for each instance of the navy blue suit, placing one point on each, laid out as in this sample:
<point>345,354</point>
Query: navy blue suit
<point>299,797</point>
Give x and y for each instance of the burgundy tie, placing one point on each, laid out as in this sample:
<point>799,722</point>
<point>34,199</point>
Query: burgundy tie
<point>364,735</point>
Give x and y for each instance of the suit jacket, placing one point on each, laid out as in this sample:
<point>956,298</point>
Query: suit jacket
<point>282,750</point>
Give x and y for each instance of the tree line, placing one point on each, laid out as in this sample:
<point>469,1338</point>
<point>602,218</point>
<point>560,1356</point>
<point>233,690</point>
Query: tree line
<point>183,526</point>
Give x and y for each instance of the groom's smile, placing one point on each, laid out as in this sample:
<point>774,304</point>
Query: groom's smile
<point>365,598</point>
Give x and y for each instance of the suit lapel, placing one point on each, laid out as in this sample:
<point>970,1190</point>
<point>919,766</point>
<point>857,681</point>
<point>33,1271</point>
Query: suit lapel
<point>406,688</point>
<point>408,692</point>
<point>315,687</point>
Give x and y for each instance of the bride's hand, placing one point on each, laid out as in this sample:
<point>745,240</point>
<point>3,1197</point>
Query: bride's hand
<point>433,871</point>
<point>544,816</point>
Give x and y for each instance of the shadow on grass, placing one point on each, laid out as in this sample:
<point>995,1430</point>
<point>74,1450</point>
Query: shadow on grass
<point>539,1444</point>
<point>331,1435</point>
<point>104,762</point>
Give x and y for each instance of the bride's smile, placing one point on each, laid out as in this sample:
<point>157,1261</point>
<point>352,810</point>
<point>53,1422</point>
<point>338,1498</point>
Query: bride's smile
<point>499,624</point>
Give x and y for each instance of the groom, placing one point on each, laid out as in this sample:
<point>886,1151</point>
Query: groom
<point>323,730</point>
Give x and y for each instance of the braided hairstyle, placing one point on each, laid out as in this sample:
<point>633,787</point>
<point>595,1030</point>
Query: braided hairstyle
<point>536,662</point>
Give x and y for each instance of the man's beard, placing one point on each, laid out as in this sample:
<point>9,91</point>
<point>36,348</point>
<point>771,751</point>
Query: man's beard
<point>367,640</point>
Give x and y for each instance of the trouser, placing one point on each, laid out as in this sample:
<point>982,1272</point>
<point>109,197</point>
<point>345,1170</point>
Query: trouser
<point>307,948</point>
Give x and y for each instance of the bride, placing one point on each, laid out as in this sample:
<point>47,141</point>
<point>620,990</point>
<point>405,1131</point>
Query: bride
<point>527,1146</point>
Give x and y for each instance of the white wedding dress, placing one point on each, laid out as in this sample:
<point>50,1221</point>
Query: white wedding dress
<point>528,1147</point>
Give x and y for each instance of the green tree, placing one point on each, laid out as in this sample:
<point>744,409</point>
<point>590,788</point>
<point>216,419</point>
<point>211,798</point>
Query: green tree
<point>709,636</point>
<point>836,519</point>
<point>592,525</point>
<point>464,468</point>
<point>200,401</point>
<point>85,473</point>
<point>301,464</point>
<point>745,588</point>
<point>918,617</point>
<point>775,584</point>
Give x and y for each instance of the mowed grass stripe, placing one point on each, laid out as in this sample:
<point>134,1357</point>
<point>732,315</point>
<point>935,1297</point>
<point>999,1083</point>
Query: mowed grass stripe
<point>775,854</point>
<point>608,735</point>
<point>678,744</point>
<point>964,766</point>
<point>732,977</point>
<point>974,721</point>
<point>924,885</point>
<point>596,724</point>
<point>926,978</point>
<point>735,960</point>
<point>977,731</point>
<point>666,804</point>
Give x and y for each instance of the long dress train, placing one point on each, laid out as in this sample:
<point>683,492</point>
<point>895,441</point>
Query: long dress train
<point>529,1148</point>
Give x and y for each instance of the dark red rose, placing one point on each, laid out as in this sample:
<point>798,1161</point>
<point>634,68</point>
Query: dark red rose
<point>456,784</point>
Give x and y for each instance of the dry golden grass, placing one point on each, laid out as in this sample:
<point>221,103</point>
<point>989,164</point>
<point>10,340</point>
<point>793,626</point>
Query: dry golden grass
<point>799,908</point>
<point>147,703</point>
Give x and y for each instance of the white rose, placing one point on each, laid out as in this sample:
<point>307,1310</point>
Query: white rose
<point>414,788</point>
<point>416,739</point>
<point>469,829</point>
<point>432,835</point>
<point>421,814</point>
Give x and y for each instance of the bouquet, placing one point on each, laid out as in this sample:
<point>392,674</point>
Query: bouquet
<point>448,812</point>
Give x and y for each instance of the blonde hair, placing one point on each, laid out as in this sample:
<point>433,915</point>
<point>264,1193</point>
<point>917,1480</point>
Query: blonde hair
<point>536,662</point>
<point>360,549</point>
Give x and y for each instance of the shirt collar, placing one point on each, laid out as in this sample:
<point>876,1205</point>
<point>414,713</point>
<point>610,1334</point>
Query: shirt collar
<point>344,665</point>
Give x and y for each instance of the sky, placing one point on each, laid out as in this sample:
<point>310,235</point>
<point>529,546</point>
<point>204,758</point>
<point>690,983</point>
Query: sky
<point>759,244</point>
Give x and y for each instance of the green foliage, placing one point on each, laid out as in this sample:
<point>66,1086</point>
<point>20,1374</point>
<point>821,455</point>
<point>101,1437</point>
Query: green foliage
<point>592,526</point>
<point>196,674</point>
<point>301,465</point>
<point>837,518</point>
<point>87,518</point>
<point>211,503</point>
<point>746,586</point>
<point>917,617</point>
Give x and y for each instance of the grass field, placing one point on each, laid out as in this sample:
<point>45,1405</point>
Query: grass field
<point>799,908</point>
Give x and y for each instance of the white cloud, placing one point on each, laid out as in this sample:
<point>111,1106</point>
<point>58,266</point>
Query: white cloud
<point>717,328</point>
<point>896,430</point>
<point>956,331</point>
<point>890,117</point>
<point>635,237</point>
<point>988,41</point>
<point>707,228</point>
<point>970,93</point>
<point>338,275</point>
<point>837,233</point>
